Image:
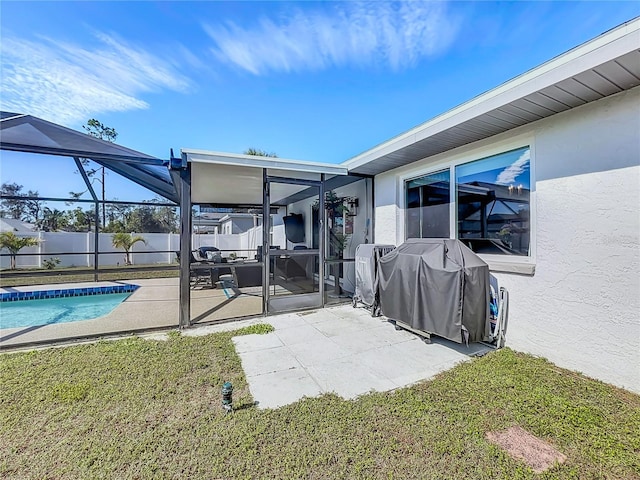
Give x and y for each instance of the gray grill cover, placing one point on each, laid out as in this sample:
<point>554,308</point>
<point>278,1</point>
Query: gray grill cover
<point>367,257</point>
<point>437,286</point>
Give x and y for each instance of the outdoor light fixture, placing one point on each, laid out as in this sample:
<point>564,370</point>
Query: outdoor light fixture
<point>227,399</point>
<point>353,206</point>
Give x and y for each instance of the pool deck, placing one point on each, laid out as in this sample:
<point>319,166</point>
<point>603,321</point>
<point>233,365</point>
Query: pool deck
<point>153,306</point>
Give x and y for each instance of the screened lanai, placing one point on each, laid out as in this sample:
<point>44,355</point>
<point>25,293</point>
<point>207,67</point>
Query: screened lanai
<point>26,133</point>
<point>88,285</point>
<point>301,257</point>
<point>27,137</point>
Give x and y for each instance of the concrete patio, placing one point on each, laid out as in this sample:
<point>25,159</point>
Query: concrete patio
<point>341,350</point>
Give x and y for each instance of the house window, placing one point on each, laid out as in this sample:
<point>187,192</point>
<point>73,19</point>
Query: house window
<point>427,206</point>
<point>492,197</point>
<point>492,204</point>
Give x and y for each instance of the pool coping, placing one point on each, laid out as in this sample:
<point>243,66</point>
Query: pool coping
<point>40,294</point>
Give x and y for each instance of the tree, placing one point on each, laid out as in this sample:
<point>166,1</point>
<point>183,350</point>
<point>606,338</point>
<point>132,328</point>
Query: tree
<point>126,242</point>
<point>52,220</point>
<point>142,219</point>
<point>118,217</point>
<point>97,129</point>
<point>259,152</point>
<point>115,226</point>
<point>118,211</point>
<point>28,209</point>
<point>14,244</point>
<point>12,207</point>
<point>166,216</point>
<point>78,220</point>
<point>33,207</point>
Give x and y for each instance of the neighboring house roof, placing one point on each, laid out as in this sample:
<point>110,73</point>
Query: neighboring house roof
<point>26,133</point>
<point>604,66</point>
<point>214,216</point>
<point>13,225</point>
<point>203,223</point>
<point>235,216</point>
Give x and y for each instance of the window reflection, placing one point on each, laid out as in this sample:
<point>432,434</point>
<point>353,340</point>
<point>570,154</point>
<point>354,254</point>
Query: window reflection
<point>427,206</point>
<point>493,197</point>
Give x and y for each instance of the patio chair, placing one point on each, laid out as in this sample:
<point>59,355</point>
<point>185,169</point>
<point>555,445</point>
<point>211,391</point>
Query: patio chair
<point>247,276</point>
<point>204,272</point>
<point>209,254</point>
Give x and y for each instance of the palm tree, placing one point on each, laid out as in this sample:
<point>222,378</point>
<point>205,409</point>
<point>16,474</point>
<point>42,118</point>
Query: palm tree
<point>126,242</point>
<point>259,152</point>
<point>14,244</point>
<point>52,220</point>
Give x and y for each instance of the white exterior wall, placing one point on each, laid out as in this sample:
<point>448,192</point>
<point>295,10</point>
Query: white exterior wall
<point>581,307</point>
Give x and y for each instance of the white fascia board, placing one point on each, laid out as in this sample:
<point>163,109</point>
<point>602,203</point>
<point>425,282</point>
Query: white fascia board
<point>598,51</point>
<point>221,158</point>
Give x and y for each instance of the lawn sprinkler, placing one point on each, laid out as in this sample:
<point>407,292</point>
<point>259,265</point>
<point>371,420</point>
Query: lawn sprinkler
<point>227,397</point>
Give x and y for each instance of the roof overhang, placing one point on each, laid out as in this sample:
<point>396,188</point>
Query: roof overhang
<point>229,179</point>
<point>604,66</point>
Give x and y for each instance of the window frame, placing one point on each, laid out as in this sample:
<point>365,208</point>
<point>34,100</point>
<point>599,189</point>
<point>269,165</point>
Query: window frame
<point>499,263</point>
<point>405,193</point>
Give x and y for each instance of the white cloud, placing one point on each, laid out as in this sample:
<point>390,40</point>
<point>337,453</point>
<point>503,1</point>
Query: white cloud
<point>509,174</point>
<point>393,35</point>
<point>67,83</point>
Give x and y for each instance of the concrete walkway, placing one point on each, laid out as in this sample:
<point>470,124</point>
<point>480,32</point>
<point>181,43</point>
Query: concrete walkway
<point>342,350</point>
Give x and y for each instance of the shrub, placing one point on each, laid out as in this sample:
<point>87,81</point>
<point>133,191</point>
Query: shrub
<point>50,263</point>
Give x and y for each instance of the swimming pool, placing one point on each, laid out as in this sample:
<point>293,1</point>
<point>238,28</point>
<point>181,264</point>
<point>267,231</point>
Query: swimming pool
<point>47,307</point>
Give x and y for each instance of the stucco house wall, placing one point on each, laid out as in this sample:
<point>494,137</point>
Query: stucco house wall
<point>236,223</point>
<point>580,308</point>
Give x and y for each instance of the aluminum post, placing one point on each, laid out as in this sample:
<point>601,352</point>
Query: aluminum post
<point>185,246</point>
<point>321,243</point>
<point>266,222</point>
<point>96,220</point>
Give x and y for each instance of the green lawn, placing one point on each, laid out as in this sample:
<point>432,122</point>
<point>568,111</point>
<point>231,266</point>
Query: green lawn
<point>149,409</point>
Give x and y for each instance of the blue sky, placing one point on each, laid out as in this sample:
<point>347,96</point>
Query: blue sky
<point>319,81</point>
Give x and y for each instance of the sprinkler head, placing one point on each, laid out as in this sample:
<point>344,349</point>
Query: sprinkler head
<point>227,396</point>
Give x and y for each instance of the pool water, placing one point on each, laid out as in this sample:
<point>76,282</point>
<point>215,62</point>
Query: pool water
<point>32,313</point>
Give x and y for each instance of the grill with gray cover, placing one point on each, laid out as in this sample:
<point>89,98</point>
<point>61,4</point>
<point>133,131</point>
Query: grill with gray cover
<point>367,257</point>
<point>436,286</point>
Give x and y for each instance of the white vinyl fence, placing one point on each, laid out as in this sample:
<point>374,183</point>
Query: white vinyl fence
<point>52,243</point>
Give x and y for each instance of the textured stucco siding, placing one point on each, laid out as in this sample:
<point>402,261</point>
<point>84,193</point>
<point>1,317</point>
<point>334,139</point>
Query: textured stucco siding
<point>387,212</point>
<point>581,307</point>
